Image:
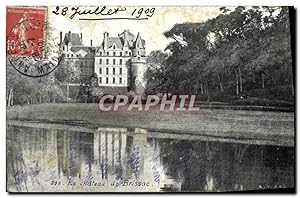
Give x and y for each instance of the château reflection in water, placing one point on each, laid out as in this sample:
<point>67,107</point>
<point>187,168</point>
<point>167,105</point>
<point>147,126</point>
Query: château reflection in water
<point>119,159</point>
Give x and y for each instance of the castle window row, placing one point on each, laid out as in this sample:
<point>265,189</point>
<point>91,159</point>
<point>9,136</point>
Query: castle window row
<point>72,56</point>
<point>126,53</point>
<point>120,71</point>
<point>105,80</point>
<point>114,61</point>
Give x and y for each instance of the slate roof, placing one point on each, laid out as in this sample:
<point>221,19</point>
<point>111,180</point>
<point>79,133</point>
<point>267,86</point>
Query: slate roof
<point>116,40</point>
<point>72,38</point>
<point>139,42</point>
<point>83,51</point>
<point>130,37</point>
<point>132,42</point>
<point>77,48</point>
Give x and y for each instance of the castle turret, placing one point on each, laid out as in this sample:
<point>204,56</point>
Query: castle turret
<point>139,47</point>
<point>139,66</point>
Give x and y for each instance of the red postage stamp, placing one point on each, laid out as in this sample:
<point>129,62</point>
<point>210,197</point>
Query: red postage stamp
<point>25,31</point>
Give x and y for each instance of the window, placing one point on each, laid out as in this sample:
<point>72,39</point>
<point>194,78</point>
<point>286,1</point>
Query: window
<point>107,53</point>
<point>100,80</point>
<point>114,70</point>
<point>114,53</point>
<point>120,53</point>
<point>106,80</point>
<point>139,58</point>
<point>107,70</point>
<point>114,47</point>
<point>107,61</point>
<point>63,47</point>
<point>120,71</point>
<point>114,61</point>
<point>100,53</point>
<point>100,70</point>
<point>138,52</point>
<point>129,53</point>
<point>113,80</point>
<point>120,80</point>
<point>67,55</point>
<point>72,55</point>
<point>100,61</point>
<point>120,61</point>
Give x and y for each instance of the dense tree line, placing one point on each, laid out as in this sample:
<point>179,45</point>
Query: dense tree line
<point>245,51</point>
<point>51,88</point>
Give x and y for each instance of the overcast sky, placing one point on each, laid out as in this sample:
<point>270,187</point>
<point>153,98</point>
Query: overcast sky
<point>163,19</point>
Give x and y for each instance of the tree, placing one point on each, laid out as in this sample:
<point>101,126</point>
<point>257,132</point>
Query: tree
<point>238,51</point>
<point>66,73</point>
<point>156,72</point>
<point>27,90</point>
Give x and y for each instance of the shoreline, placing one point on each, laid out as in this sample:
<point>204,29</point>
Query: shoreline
<point>274,128</point>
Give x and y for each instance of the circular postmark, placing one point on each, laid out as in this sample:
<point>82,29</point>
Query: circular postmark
<point>31,48</point>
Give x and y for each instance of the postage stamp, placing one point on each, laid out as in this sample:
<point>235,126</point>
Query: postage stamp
<point>30,47</point>
<point>25,31</point>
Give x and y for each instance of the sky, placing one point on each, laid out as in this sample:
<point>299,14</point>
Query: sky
<point>151,30</point>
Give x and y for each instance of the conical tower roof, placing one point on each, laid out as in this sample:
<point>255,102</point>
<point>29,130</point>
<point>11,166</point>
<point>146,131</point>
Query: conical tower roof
<point>139,42</point>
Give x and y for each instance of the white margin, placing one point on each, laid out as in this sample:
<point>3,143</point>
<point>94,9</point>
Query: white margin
<point>4,3</point>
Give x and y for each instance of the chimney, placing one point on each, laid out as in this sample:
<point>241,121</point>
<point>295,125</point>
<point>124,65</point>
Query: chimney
<point>105,40</point>
<point>126,39</point>
<point>91,43</point>
<point>126,35</point>
<point>60,38</point>
<point>69,40</point>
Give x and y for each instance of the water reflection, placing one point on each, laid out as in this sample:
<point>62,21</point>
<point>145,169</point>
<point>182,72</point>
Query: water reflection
<point>119,159</point>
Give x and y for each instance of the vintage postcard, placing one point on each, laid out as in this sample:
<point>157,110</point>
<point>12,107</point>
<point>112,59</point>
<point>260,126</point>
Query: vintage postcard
<point>150,99</point>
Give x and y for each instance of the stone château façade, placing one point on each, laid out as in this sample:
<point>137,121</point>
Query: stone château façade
<point>119,62</point>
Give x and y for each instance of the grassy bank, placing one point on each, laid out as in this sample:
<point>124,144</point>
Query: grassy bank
<point>276,127</point>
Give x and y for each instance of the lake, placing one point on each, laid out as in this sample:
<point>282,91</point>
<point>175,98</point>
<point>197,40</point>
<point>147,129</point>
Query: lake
<point>63,158</point>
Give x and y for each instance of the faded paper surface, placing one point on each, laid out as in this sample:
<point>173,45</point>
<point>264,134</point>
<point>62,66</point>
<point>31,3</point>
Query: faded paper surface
<point>234,130</point>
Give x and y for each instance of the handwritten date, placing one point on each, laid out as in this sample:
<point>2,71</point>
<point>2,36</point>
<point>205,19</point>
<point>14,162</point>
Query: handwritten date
<point>103,11</point>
